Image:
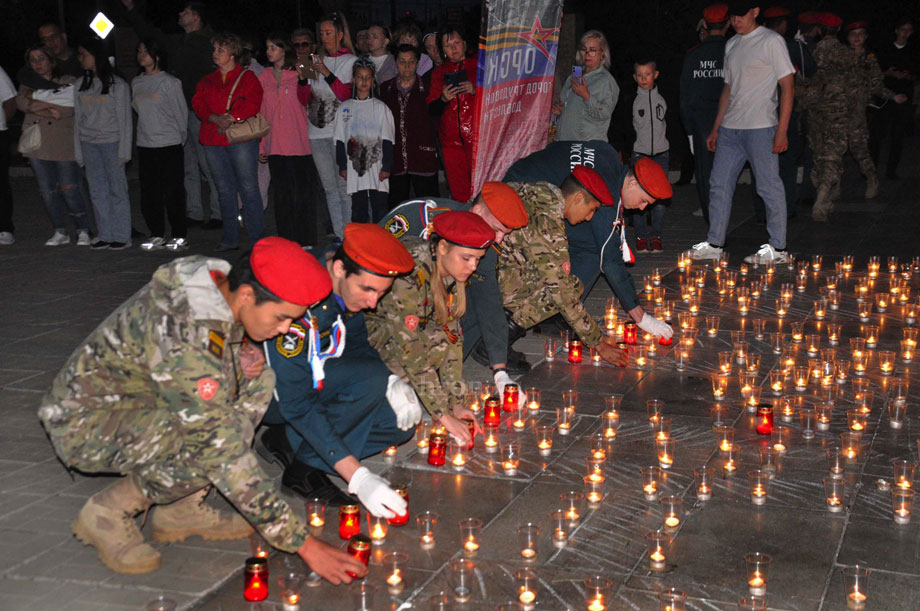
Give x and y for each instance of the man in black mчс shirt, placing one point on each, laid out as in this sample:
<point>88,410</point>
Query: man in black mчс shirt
<point>898,61</point>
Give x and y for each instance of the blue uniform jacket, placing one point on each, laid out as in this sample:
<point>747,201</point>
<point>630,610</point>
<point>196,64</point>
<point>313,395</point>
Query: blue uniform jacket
<point>598,239</point>
<point>302,406</point>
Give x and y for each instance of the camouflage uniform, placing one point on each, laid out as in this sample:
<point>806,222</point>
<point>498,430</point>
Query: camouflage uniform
<point>832,99</point>
<point>156,392</point>
<point>534,271</point>
<point>412,344</point>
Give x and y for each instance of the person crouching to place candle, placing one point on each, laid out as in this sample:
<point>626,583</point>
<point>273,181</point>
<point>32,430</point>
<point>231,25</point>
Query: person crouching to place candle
<point>335,402</point>
<point>598,246</point>
<point>188,402</point>
<point>416,326</point>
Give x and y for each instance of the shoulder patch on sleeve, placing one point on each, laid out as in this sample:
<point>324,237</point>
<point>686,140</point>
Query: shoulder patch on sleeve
<point>412,322</point>
<point>291,343</point>
<point>207,388</point>
<point>398,225</point>
<point>567,267</point>
<point>216,343</point>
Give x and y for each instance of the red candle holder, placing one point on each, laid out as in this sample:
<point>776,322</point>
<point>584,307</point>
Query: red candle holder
<point>437,449</point>
<point>349,521</point>
<point>512,393</point>
<point>764,420</point>
<point>664,341</point>
<point>255,584</point>
<point>631,333</point>
<point>575,351</point>
<point>492,412</point>
<point>360,548</point>
<point>471,424</point>
<point>401,520</point>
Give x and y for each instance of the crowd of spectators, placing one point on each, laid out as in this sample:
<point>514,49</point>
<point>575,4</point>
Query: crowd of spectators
<point>355,129</point>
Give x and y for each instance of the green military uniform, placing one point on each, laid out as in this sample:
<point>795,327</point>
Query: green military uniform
<point>832,99</point>
<point>157,392</point>
<point>410,341</point>
<point>534,271</point>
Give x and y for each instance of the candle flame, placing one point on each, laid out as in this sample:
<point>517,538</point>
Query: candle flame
<point>657,556</point>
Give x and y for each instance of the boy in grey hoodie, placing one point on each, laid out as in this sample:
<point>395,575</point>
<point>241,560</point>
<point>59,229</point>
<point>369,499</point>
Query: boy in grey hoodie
<point>648,115</point>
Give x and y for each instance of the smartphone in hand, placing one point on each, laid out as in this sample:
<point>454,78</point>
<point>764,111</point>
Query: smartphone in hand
<point>577,72</point>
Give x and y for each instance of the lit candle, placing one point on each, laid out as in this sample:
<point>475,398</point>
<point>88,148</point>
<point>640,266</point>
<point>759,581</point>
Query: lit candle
<point>492,412</point>
<point>377,527</point>
<point>359,547</point>
<point>316,520</point>
<point>395,584</point>
<point>349,521</point>
<point>856,600</point>
<point>255,584</point>
<point>575,351</point>
<point>470,547</point>
<point>437,448</point>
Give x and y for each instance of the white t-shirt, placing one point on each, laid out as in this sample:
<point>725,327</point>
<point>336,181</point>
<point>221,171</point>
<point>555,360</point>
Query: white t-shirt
<point>754,63</point>
<point>362,126</point>
<point>323,104</point>
<point>7,92</point>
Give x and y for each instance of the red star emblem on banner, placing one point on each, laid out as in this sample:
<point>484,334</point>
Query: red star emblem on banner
<point>538,36</point>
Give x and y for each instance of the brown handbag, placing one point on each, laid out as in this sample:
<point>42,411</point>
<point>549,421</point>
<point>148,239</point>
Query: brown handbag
<point>253,128</point>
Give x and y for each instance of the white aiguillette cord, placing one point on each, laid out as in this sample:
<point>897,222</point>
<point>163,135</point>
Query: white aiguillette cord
<point>625,251</point>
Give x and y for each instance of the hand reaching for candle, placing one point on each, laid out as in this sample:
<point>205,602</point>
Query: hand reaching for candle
<point>612,354</point>
<point>457,429</point>
<point>329,562</point>
<point>658,328</point>
<point>502,379</point>
<point>375,494</point>
<point>252,360</point>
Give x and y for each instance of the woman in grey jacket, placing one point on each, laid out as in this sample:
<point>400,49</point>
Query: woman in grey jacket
<point>586,101</point>
<point>102,144</point>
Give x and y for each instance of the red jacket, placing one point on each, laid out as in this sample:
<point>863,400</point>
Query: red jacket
<point>457,120</point>
<point>211,99</point>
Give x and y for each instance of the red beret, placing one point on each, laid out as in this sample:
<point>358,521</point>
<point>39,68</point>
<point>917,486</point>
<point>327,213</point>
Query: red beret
<point>289,272</point>
<point>653,178</point>
<point>463,229</point>
<point>858,25</point>
<point>829,20</point>
<point>505,204</point>
<point>808,18</point>
<point>593,182</point>
<point>376,250</point>
<point>775,11</point>
<point>717,13</point>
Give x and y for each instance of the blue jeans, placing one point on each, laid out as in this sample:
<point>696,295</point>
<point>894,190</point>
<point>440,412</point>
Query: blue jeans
<point>235,169</point>
<point>196,164</point>
<point>337,198</point>
<point>60,186</point>
<point>108,188</point>
<point>656,210</point>
<point>733,149</point>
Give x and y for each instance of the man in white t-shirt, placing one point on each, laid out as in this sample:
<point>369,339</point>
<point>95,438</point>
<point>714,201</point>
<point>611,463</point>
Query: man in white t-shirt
<point>8,101</point>
<point>747,129</point>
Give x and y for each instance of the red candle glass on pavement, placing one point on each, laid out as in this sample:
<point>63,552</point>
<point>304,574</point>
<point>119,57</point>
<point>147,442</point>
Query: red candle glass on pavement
<point>349,521</point>
<point>492,412</point>
<point>575,351</point>
<point>631,333</point>
<point>437,449</point>
<point>255,585</point>
<point>472,426</point>
<point>764,420</point>
<point>401,520</point>
<point>360,548</point>
<point>513,393</point>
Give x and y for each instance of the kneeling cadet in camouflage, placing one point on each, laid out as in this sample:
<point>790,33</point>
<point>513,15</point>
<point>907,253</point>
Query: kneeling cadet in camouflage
<point>168,391</point>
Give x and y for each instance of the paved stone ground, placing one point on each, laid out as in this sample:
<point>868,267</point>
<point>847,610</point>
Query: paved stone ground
<point>55,296</point>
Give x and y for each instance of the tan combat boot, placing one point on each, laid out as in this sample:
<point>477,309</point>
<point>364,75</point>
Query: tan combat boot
<point>192,516</point>
<point>871,186</point>
<point>107,523</point>
<point>822,205</point>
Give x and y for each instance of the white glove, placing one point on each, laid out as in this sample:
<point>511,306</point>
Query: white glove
<point>404,402</point>
<point>502,379</point>
<point>375,494</point>
<point>656,327</point>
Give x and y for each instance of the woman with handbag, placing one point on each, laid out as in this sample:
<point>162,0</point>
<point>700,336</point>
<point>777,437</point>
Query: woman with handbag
<point>48,136</point>
<point>103,130</point>
<point>330,85</point>
<point>286,148</point>
<point>228,101</point>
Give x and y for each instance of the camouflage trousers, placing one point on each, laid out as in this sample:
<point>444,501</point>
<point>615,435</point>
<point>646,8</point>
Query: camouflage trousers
<point>533,301</point>
<point>830,136</point>
<point>146,443</point>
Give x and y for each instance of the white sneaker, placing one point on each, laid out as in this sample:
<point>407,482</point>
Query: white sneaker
<point>155,243</point>
<point>7,238</point>
<point>698,212</point>
<point>83,238</point>
<point>177,244</point>
<point>58,239</point>
<point>705,250</point>
<point>767,253</point>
